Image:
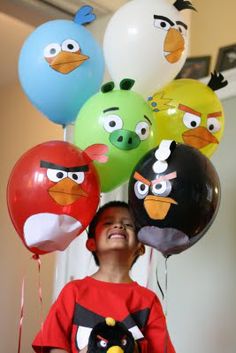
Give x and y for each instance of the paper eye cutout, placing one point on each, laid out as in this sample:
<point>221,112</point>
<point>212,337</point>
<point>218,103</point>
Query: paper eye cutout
<point>191,121</point>
<point>70,45</point>
<point>213,125</point>
<point>112,122</point>
<point>77,177</point>
<point>142,130</point>
<point>56,175</point>
<point>52,50</point>
<point>141,189</point>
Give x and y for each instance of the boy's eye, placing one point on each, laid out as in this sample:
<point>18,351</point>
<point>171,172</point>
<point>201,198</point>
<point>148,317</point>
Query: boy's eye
<point>129,225</point>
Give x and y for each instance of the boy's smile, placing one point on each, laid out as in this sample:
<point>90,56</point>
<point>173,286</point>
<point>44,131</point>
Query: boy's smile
<point>117,234</point>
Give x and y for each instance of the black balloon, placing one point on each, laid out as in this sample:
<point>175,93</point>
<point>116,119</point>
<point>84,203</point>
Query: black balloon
<point>174,195</point>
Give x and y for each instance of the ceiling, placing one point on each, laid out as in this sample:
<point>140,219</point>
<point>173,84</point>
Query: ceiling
<point>18,18</point>
<point>36,12</point>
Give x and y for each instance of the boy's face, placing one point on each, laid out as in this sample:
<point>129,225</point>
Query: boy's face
<point>115,230</point>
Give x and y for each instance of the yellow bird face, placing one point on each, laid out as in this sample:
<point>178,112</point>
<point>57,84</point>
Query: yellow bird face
<point>189,112</point>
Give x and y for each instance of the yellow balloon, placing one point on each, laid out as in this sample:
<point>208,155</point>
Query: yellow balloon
<point>189,112</point>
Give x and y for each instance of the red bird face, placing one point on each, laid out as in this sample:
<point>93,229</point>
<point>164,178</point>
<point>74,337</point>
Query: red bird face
<point>53,193</point>
<point>67,182</point>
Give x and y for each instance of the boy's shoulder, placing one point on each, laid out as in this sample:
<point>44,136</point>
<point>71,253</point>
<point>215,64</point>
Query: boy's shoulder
<point>76,283</point>
<point>73,286</point>
<point>146,291</point>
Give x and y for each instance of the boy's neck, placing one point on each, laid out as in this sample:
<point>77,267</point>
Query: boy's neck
<point>113,273</point>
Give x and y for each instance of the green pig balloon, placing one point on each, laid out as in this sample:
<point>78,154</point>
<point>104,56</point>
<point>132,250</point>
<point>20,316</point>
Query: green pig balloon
<point>122,120</point>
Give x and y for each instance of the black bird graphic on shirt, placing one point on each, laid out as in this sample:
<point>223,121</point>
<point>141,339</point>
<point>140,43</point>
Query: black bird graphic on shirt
<point>110,336</point>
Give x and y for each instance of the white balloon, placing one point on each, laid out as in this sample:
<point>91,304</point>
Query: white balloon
<point>146,40</point>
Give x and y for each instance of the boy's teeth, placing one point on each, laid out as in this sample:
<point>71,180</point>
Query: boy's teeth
<point>117,236</point>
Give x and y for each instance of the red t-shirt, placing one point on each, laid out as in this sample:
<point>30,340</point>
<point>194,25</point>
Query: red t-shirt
<point>83,303</point>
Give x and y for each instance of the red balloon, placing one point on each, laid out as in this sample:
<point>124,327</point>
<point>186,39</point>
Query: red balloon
<point>53,193</point>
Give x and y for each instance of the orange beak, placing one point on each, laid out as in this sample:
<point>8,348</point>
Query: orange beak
<point>66,192</point>
<point>65,62</point>
<point>174,46</point>
<point>157,207</point>
<point>199,137</point>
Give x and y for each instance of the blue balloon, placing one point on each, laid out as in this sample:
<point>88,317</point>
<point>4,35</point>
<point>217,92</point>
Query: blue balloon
<point>60,66</point>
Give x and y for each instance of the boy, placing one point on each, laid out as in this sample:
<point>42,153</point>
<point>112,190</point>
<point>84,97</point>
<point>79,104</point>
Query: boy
<point>110,292</point>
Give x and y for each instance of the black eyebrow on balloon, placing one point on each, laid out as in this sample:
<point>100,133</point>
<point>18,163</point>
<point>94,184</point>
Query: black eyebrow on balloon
<point>156,17</point>
<point>81,168</point>
<point>110,109</point>
<point>145,116</point>
<point>182,24</point>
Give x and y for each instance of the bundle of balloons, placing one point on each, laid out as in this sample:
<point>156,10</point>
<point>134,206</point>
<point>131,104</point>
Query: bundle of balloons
<point>143,126</point>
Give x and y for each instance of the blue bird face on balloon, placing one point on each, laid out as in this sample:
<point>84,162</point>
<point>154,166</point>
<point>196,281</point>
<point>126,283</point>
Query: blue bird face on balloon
<point>61,65</point>
<point>64,57</point>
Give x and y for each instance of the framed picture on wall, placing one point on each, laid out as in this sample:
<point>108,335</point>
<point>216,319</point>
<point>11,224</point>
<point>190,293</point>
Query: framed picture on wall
<point>226,58</point>
<point>195,67</point>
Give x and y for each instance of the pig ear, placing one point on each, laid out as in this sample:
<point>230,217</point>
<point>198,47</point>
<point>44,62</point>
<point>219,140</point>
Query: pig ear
<point>97,152</point>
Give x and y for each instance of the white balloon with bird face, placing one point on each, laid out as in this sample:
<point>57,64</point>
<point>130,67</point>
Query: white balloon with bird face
<point>147,40</point>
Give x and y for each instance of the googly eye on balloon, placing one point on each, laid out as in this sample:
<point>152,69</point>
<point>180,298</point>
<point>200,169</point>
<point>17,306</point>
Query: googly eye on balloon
<point>173,207</point>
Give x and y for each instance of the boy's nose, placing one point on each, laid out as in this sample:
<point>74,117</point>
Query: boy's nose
<point>119,225</point>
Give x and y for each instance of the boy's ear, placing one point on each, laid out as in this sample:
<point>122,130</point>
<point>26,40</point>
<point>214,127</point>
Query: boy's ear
<point>141,250</point>
<point>90,244</point>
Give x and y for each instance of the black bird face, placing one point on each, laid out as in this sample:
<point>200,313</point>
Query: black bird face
<point>110,337</point>
<point>176,194</point>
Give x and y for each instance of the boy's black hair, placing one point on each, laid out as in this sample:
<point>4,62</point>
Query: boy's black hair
<point>94,222</point>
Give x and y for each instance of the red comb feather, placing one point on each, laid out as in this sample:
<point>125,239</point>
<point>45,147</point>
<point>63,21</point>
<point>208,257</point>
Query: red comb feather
<point>97,152</point>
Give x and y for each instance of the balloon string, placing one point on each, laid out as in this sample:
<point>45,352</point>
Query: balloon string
<point>165,306</point>
<point>149,266</point>
<point>21,314</point>
<point>164,298</point>
<point>159,286</point>
<point>40,295</point>
<point>22,304</point>
<point>166,285</point>
<point>64,132</point>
